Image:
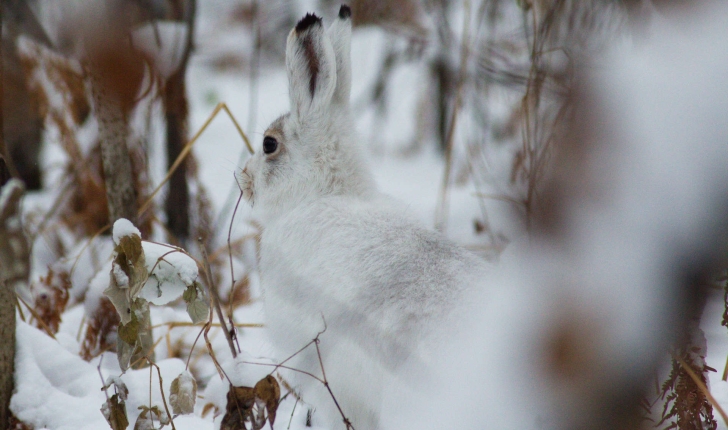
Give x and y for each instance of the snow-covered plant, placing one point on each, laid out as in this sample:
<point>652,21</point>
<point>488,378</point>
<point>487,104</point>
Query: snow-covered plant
<point>114,409</point>
<point>183,392</point>
<point>143,273</point>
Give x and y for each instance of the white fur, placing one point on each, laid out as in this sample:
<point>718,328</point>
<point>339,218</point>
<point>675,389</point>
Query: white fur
<point>334,248</point>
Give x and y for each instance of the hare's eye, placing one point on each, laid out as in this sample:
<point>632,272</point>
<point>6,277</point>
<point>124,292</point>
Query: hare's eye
<point>270,144</point>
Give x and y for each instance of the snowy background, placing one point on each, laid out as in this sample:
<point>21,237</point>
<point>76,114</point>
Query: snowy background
<point>57,389</point>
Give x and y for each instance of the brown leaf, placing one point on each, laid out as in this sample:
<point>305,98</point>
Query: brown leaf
<point>115,412</point>
<point>128,332</point>
<point>128,275</point>
<point>146,418</point>
<point>130,258</point>
<point>239,408</point>
<point>51,297</point>
<point>268,391</point>
<point>100,331</point>
<point>210,407</point>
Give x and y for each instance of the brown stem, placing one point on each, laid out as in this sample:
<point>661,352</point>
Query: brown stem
<point>215,298</point>
<point>161,389</point>
<point>230,255</point>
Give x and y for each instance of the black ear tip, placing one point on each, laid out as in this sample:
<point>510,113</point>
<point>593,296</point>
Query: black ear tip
<point>307,21</point>
<point>344,12</point>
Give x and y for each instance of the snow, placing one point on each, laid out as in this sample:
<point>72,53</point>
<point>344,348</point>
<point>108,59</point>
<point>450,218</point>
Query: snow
<point>96,287</point>
<point>123,227</point>
<point>166,52</point>
<point>57,389</point>
<point>122,280</point>
<point>171,271</point>
<point>54,388</point>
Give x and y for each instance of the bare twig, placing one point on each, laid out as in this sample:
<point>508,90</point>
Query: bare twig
<point>323,380</point>
<point>292,411</point>
<point>176,324</point>
<point>187,365</point>
<point>215,298</point>
<point>326,384</point>
<point>442,208</point>
<point>161,389</point>
<point>230,252</point>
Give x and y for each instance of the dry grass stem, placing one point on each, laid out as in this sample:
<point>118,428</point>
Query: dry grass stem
<point>188,147</point>
<point>215,299</point>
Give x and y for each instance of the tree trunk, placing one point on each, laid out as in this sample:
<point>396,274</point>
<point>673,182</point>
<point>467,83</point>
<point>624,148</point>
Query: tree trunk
<point>116,72</point>
<point>178,199</point>
<point>113,133</point>
<point>176,109</point>
<point>7,351</point>
<point>14,267</point>
<point>14,270</point>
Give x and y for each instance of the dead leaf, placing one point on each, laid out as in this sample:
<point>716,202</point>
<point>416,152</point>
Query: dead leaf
<point>210,407</point>
<point>197,307</point>
<point>119,387</point>
<point>239,408</point>
<point>114,411</point>
<point>145,420</point>
<point>130,259</point>
<point>183,393</point>
<point>268,393</point>
<point>125,352</point>
<point>119,297</point>
<point>128,275</point>
<point>128,332</point>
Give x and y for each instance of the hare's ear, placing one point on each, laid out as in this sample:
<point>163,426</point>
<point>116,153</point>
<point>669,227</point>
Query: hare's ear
<point>340,35</point>
<point>311,67</point>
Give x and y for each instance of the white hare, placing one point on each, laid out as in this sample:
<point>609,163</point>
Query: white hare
<point>333,248</point>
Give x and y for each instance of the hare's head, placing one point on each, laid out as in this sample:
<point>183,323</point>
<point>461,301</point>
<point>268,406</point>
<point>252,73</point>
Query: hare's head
<point>310,152</point>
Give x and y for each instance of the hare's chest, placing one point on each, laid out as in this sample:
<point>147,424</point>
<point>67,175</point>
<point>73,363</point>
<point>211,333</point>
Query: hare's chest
<point>305,263</point>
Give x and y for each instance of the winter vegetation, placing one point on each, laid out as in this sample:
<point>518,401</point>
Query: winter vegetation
<point>237,214</point>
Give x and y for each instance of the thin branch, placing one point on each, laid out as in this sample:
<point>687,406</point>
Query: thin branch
<point>323,380</point>
<point>442,208</point>
<point>216,297</point>
<point>326,384</point>
<point>187,365</point>
<point>230,252</point>
<point>161,389</point>
<point>176,324</point>
<point>292,411</point>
